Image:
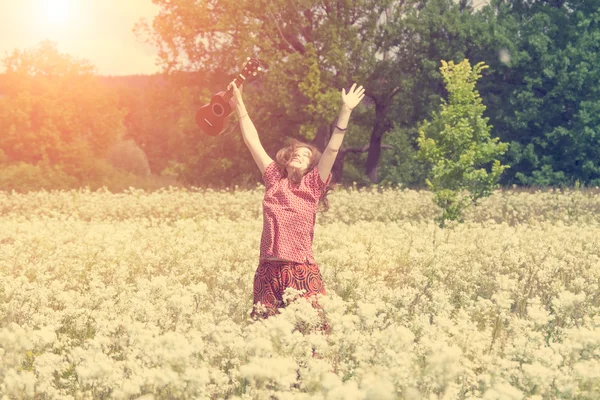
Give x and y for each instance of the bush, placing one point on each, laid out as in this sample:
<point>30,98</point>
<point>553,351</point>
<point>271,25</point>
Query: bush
<point>458,145</point>
<point>129,157</point>
<point>95,174</point>
<point>401,165</point>
<point>23,177</point>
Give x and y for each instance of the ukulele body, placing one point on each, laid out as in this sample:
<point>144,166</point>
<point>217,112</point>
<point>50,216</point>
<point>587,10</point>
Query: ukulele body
<point>213,117</point>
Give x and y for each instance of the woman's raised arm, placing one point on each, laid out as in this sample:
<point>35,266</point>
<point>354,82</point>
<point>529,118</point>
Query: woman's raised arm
<point>249,132</point>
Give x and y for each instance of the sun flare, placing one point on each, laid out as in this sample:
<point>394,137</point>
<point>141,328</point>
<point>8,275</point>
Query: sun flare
<point>56,11</point>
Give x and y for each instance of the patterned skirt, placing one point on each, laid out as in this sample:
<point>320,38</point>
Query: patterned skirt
<point>273,277</point>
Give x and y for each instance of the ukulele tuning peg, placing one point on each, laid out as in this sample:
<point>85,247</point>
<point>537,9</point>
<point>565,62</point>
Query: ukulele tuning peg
<point>247,58</point>
<point>259,69</point>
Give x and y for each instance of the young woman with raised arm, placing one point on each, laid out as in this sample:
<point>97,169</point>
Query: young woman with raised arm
<point>296,183</point>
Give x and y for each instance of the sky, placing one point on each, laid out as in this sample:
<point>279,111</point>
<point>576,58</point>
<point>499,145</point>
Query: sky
<point>100,31</point>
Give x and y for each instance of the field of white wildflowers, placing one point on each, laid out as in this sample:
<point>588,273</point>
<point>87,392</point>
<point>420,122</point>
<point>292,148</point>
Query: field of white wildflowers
<point>148,295</point>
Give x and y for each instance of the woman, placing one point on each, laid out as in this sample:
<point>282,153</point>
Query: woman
<point>295,184</point>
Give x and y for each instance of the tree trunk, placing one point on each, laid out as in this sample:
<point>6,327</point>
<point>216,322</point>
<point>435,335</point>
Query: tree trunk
<point>322,137</point>
<point>374,154</point>
<point>337,171</point>
<point>320,142</point>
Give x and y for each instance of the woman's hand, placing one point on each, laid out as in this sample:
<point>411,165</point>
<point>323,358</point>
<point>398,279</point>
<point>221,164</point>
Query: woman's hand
<point>237,93</point>
<point>353,97</point>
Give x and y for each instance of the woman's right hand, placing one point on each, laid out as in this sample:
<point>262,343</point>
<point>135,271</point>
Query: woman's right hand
<point>237,93</point>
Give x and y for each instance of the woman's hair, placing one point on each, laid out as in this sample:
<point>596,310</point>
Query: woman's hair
<point>285,155</point>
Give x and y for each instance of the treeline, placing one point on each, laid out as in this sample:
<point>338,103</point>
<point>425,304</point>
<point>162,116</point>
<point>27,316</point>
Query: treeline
<point>63,126</point>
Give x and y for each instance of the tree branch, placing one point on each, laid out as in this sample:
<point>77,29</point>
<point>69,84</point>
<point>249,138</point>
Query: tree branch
<point>364,149</point>
<point>279,30</point>
<point>296,44</point>
<point>277,43</point>
<point>395,92</point>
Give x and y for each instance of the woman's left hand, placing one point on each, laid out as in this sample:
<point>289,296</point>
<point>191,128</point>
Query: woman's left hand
<point>353,97</point>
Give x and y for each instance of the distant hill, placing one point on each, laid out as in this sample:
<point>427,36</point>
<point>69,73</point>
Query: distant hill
<point>141,82</point>
<point>144,81</point>
<point>132,81</point>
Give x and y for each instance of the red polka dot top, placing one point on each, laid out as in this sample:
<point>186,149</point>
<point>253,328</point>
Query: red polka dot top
<point>289,214</point>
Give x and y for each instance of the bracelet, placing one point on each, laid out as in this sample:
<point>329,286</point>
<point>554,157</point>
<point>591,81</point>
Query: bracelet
<point>341,128</point>
<point>243,116</point>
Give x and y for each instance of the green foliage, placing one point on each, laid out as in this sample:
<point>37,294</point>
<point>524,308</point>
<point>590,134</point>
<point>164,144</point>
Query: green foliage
<point>324,100</point>
<point>545,101</point>
<point>22,177</point>
<point>313,49</point>
<point>95,174</point>
<point>160,116</point>
<point>61,125</point>
<point>401,164</point>
<point>353,175</point>
<point>160,120</point>
<point>539,90</point>
<point>457,143</point>
<point>54,110</point>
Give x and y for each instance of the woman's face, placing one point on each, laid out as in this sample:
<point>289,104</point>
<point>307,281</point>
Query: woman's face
<point>301,158</point>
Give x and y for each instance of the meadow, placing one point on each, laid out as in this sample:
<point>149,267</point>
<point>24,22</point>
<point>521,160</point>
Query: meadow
<point>148,294</point>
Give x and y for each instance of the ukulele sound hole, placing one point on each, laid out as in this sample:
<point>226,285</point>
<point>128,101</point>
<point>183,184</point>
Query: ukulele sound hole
<point>218,109</point>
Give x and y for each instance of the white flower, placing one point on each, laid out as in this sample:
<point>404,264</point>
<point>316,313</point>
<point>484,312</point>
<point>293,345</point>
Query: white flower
<point>151,291</point>
<point>503,391</point>
<point>537,312</point>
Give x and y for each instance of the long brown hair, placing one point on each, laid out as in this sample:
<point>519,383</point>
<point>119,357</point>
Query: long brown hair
<point>285,155</point>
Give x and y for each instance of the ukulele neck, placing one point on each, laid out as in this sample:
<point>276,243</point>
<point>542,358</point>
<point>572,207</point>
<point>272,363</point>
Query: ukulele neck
<point>238,82</point>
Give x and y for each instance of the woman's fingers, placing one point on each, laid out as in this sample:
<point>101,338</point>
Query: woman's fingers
<point>354,95</point>
<point>356,90</point>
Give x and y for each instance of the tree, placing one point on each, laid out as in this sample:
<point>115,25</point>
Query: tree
<point>457,143</point>
<point>437,30</point>
<point>157,110</point>
<point>544,100</point>
<point>56,111</point>
<point>313,49</point>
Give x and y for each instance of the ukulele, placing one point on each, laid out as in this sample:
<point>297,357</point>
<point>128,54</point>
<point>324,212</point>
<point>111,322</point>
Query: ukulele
<point>212,118</point>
